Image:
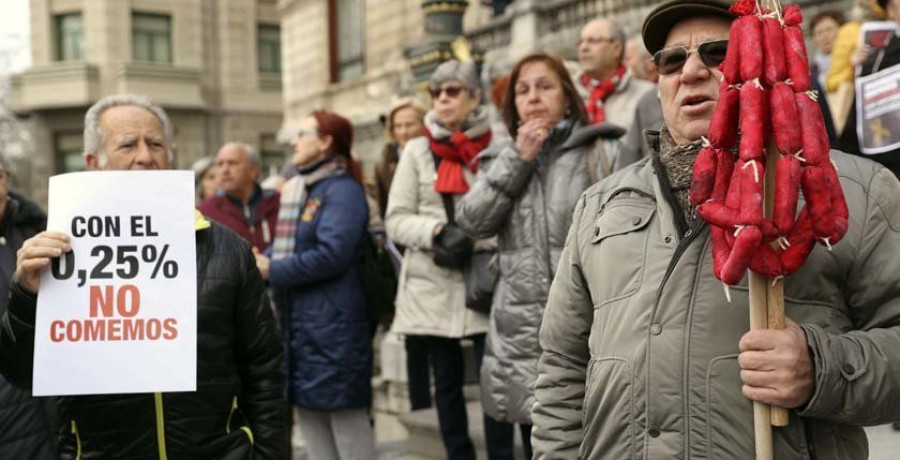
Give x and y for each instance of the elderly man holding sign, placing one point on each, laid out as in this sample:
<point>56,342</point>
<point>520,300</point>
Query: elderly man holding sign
<point>236,410</point>
<point>644,355</point>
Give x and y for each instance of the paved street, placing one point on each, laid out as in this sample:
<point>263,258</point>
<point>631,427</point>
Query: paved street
<point>884,444</point>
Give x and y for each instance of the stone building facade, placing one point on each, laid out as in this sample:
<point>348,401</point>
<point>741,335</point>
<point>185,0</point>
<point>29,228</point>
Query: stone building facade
<point>215,65</point>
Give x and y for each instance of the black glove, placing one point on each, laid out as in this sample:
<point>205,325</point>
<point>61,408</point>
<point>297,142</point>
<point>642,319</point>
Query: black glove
<point>452,248</point>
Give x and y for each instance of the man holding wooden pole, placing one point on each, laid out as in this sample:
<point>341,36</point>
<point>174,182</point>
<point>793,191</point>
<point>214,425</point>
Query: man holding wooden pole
<point>644,356</point>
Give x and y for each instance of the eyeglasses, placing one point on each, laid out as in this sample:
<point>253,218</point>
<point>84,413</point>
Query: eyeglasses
<point>595,40</point>
<point>452,91</point>
<point>308,132</point>
<point>671,60</point>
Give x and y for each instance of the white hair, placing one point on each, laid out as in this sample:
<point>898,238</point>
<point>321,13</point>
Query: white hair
<point>94,137</point>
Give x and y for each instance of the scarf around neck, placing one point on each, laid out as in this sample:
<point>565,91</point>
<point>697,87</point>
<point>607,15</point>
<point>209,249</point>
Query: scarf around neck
<point>457,150</point>
<point>678,161</point>
<point>293,200</point>
<point>600,91</point>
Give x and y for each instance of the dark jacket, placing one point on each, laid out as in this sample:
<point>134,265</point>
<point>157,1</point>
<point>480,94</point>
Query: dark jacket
<point>849,139</point>
<point>237,411</point>
<point>255,221</point>
<point>384,174</point>
<point>326,325</point>
<point>26,423</point>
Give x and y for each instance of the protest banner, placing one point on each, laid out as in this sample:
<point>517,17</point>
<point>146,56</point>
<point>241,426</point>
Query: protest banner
<point>878,111</point>
<point>118,313</point>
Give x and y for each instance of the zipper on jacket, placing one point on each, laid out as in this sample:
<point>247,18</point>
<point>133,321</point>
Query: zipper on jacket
<point>77,441</point>
<point>689,237</point>
<point>160,426</point>
<point>245,429</point>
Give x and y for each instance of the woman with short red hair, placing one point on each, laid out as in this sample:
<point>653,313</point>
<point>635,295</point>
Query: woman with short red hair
<point>314,271</point>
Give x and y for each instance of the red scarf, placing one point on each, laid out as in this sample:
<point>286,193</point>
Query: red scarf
<point>600,91</point>
<point>456,152</point>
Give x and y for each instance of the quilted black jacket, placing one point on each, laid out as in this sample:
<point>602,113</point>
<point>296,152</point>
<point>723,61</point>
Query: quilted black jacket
<point>237,410</point>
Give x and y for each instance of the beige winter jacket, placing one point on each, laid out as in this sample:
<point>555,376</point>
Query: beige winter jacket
<point>431,300</point>
<point>621,106</point>
<point>640,345</point>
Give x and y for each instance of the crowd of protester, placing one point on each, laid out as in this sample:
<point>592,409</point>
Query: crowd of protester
<point>481,194</point>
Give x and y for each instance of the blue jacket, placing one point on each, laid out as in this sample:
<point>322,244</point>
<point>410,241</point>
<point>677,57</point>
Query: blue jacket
<point>328,347</point>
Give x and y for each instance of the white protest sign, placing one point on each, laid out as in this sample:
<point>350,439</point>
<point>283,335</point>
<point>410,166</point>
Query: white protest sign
<point>118,314</point>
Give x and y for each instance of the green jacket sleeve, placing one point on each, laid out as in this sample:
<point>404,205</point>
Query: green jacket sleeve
<point>858,372</point>
<point>559,391</point>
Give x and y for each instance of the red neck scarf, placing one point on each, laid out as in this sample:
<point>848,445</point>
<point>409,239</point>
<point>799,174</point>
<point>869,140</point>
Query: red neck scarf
<point>600,91</point>
<point>455,152</point>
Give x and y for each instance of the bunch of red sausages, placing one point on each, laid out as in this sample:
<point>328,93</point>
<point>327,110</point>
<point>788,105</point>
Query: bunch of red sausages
<point>765,94</point>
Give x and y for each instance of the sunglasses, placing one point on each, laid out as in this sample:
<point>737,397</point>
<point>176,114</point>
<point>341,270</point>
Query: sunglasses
<point>452,91</point>
<point>671,60</point>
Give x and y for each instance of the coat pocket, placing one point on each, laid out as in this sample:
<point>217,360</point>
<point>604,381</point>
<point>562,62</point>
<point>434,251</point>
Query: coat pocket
<point>615,257</point>
<point>729,415</point>
<point>608,410</point>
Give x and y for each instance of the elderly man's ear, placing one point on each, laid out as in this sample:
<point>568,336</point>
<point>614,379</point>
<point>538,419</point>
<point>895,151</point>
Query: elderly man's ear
<point>92,161</point>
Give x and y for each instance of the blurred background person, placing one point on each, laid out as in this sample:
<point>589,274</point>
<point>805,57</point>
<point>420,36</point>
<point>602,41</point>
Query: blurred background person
<point>525,194</point>
<point>823,28</point>
<point>639,60</point>
<point>431,298</point>
<point>206,178</point>
<point>241,204</point>
<point>314,271</point>
<point>879,60</point>
<point>609,88</point>
<point>402,123</point>
<point>846,56</point>
<point>28,424</point>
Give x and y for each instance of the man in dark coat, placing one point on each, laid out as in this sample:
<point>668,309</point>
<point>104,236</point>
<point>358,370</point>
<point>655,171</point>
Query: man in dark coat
<point>26,423</point>
<point>237,412</point>
<point>242,205</point>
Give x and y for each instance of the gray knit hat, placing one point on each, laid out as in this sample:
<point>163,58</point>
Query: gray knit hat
<point>463,72</point>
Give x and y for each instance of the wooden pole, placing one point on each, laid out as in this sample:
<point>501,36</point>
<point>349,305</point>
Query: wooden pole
<point>774,288</point>
<point>762,425</point>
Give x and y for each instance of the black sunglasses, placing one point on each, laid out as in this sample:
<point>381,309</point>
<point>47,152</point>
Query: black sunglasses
<point>452,91</point>
<point>671,60</point>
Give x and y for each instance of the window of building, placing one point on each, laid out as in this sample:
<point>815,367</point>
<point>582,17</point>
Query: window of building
<point>69,37</point>
<point>271,155</point>
<point>68,147</point>
<point>346,39</point>
<point>268,40</point>
<point>151,37</point>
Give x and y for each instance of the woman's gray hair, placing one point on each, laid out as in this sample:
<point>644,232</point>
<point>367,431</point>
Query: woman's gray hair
<point>453,70</point>
<point>93,132</point>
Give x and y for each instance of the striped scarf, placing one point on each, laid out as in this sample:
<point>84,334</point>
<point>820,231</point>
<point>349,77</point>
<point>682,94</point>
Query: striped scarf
<point>293,200</point>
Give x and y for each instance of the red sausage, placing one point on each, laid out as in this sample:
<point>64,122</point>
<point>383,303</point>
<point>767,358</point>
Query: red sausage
<point>750,35</point>
<point>801,241</point>
<point>718,215</point>
<point>797,62</point>
<point>731,66</point>
<point>815,138</point>
<point>838,207</point>
<point>724,171</point>
<point>751,207</point>
<point>766,261</point>
<point>723,129</point>
<point>704,179</point>
<point>753,124</point>
<point>785,120</point>
<point>773,43</point>
<point>816,190</point>
<point>787,191</point>
<point>745,245</point>
<point>720,250</point>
